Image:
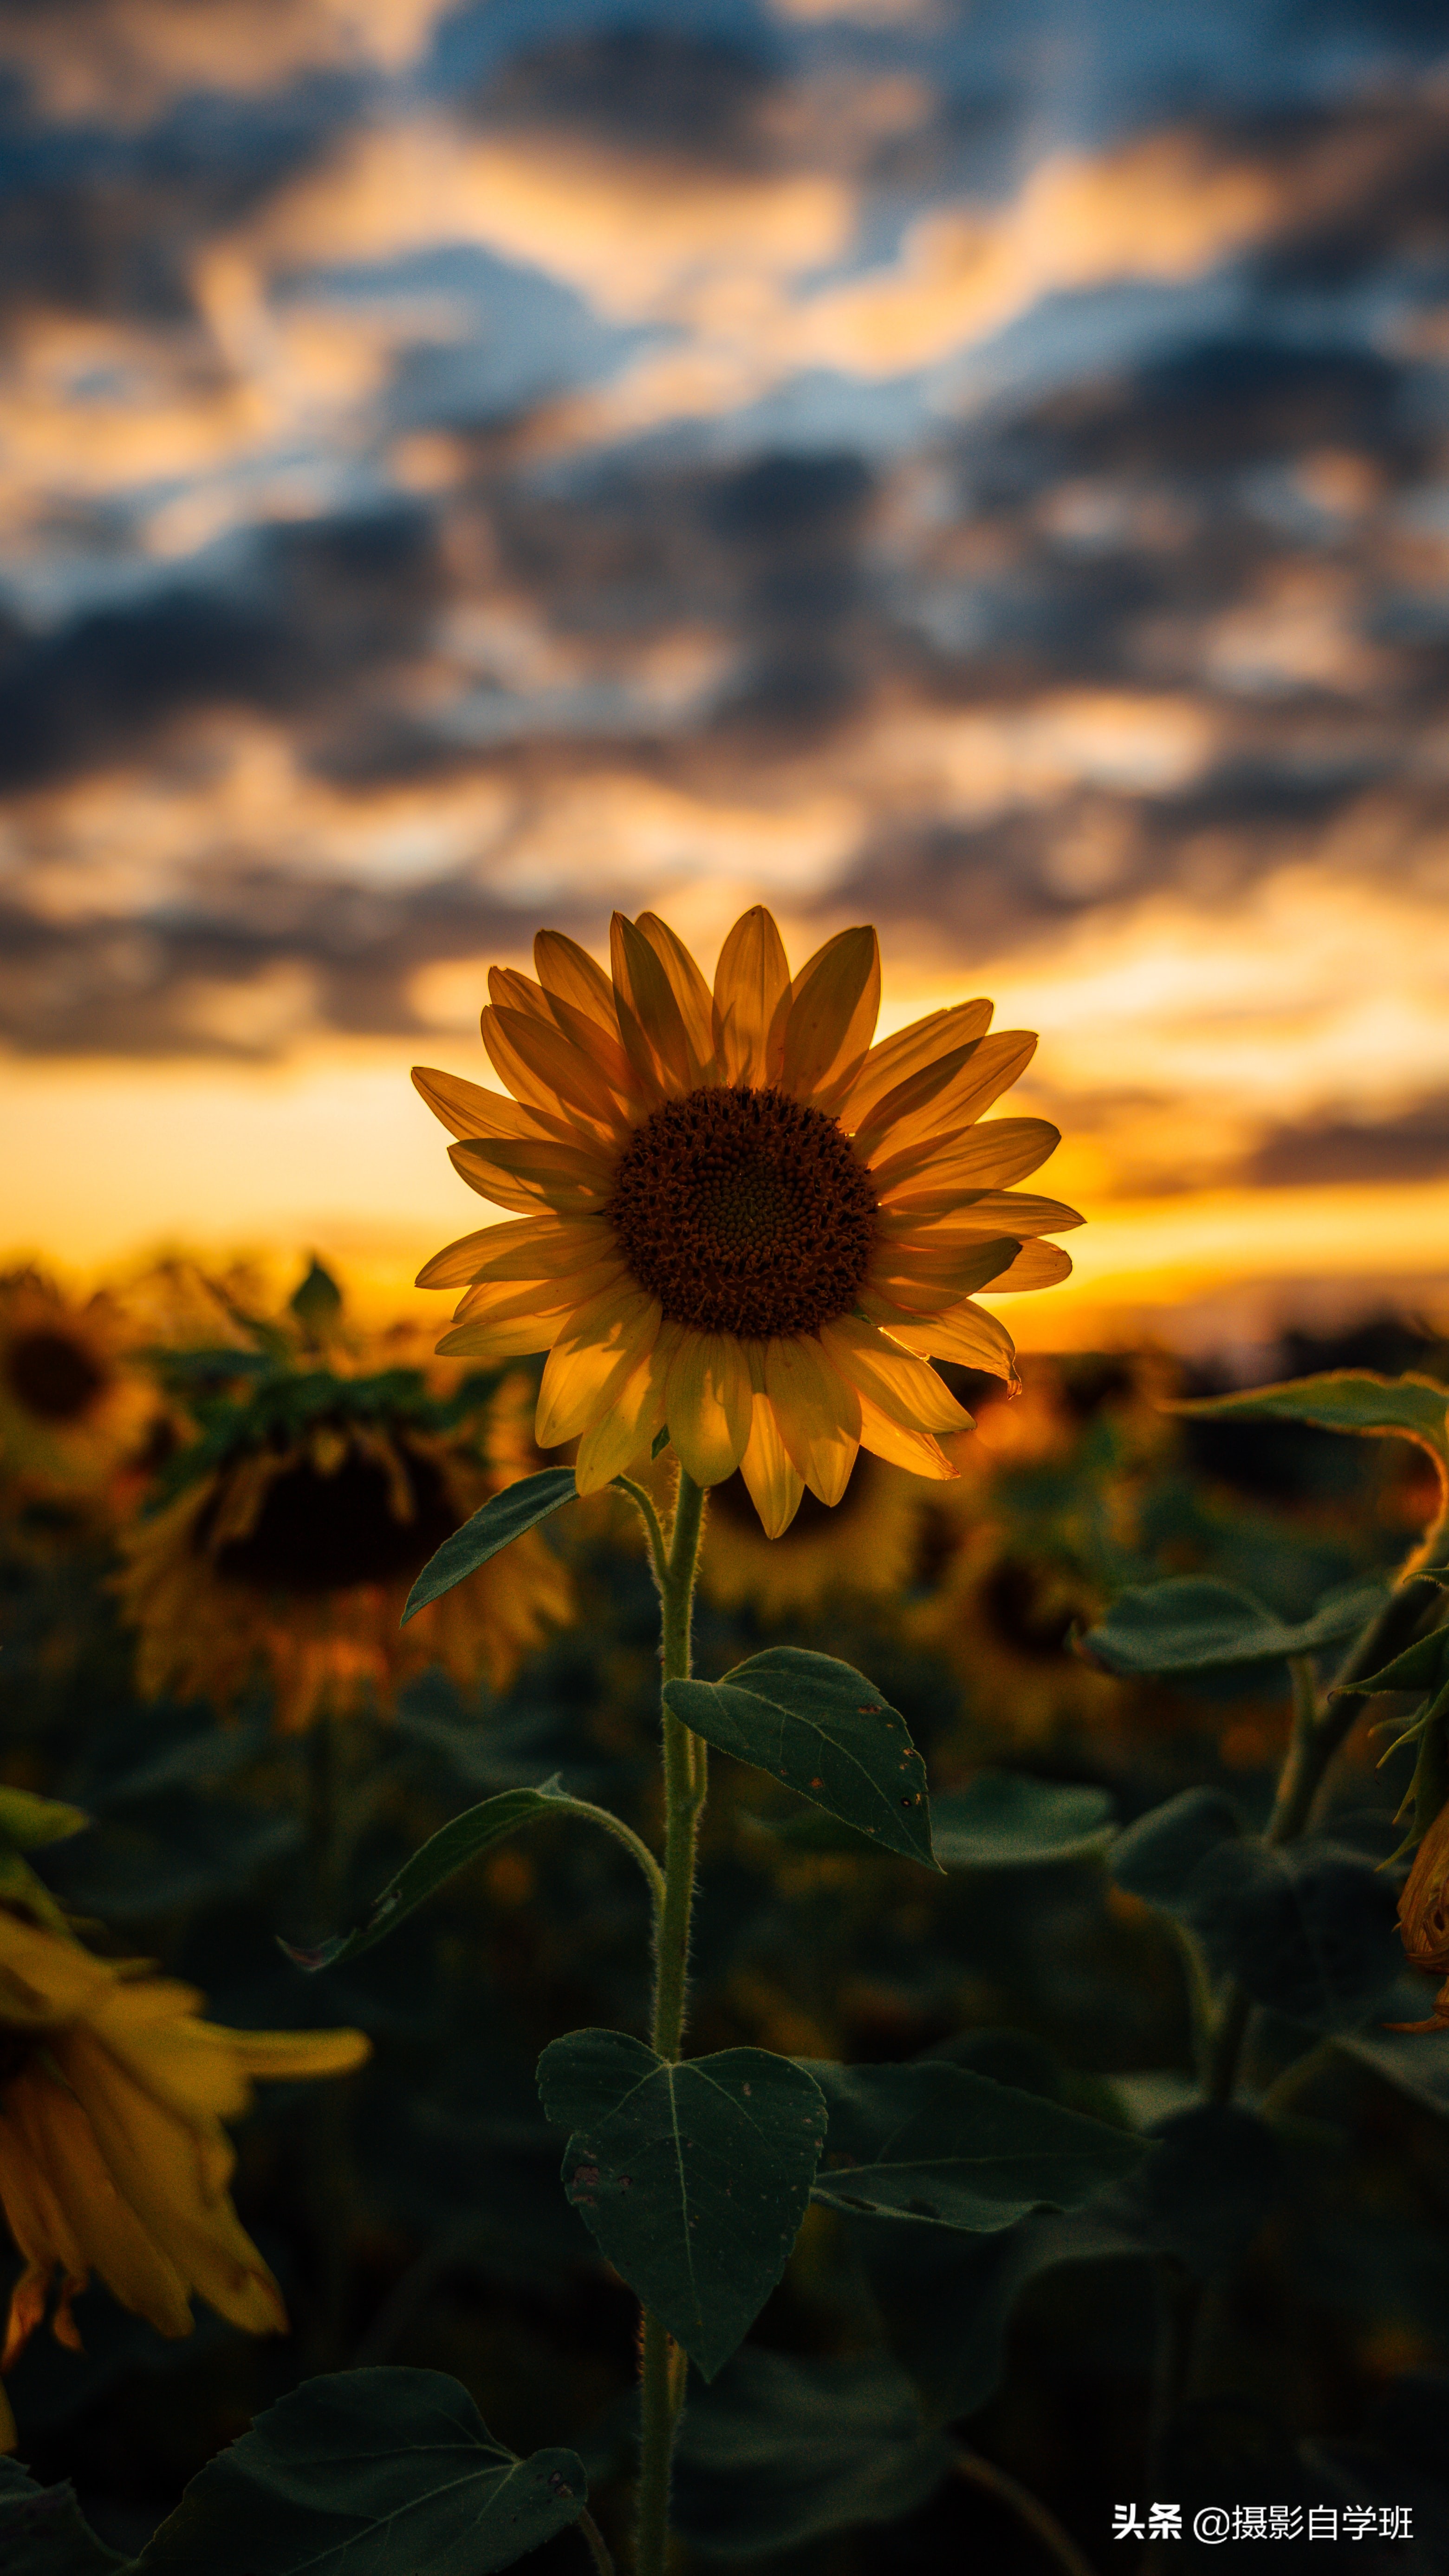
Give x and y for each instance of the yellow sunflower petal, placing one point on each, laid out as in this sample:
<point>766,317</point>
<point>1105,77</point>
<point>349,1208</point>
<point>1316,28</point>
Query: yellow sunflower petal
<point>600,1347</point>
<point>44,1979</point>
<point>650,1020</point>
<point>916,1451</point>
<point>707,1405</point>
<point>556,1069</point>
<point>908,1109</point>
<point>751,996</point>
<point>775,1486</point>
<point>506,1301</point>
<point>818,1414</point>
<point>603,1048</point>
<point>924,1281</point>
<point>466,1109</point>
<point>627,1429</point>
<point>1037,1265</point>
<point>111,2238</point>
<point>568,974</point>
<point>979,1158</point>
<point>690,992</point>
<point>490,1343</point>
<point>567,1178</point>
<point>280,2056</point>
<point>896,1057</point>
<point>977,1213</point>
<point>539,1247</point>
<point>834,1005</point>
<point>891,1378</point>
<point>160,2166</point>
<point>456,1266</point>
<point>966,1333</point>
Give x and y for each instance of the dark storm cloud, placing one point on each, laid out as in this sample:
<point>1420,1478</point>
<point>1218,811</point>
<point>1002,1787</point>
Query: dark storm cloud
<point>1413,1147</point>
<point>657,89</point>
<point>320,606</point>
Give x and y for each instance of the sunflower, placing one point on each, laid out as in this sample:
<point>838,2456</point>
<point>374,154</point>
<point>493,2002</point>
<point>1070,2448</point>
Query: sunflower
<point>867,1545</point>
<point>741,1219</point>
<point>113,2158</point>
<point>71,1409</point>
<point>306,1509</point>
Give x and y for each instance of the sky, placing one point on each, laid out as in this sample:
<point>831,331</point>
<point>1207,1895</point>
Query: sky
<point>980,466</point>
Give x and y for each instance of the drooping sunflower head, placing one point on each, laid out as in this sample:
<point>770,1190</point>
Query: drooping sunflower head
<point>742,1220</point>
<point>287,1534</point>
<point>113,2157</point>
<point>71,1405</point>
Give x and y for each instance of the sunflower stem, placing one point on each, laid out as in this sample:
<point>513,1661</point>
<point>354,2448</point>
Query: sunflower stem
<point>662,2374</point>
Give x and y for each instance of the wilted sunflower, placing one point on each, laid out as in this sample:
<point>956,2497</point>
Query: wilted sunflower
<point>296,1526</point>
<point>113,2158</point>
<point>740,1218</point>
<point>1424,1918</point>
<point>71,1409</point>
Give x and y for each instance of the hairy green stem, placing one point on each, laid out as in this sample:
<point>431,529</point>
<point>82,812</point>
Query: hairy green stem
<point>685,1777</point>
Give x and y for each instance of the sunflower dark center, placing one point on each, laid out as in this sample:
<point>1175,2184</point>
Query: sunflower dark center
<point>744,1212</point>
<point>52,1376</point>
<point>317,1533</point>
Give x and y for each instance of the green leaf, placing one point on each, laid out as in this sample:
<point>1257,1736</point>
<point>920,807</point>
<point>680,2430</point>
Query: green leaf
<point>26,1822</point>
<point>439,1859</point>
<point>825,1731</point>
<point>1424,1666</point>
<point>1006,1820</point>
<point>1195,1625</point>
<point>935,2141</point>
<point>781,2452</point>
<point>1413,1408</point>
<point>368,2473</point>
<point>43,2531</point>
<point>518,1508</point>
<point>692,2178</point>
<point>1154,1858</point>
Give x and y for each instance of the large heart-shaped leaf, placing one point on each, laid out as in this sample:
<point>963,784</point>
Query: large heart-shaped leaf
<point>692,2178</point>
<point>1195,1625</point>
<point>825,1730</point>
<point>500,1520</point>
<point>1414,1408</point>
<point>1004,1820</point>
<point>368,2473</point>
<point>936,2141</point>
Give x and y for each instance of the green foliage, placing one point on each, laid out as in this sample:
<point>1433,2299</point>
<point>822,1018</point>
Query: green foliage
<point>370,2473</point>
<point>1198,1626</point>
<point>1306,1927</point>
<point>317,1301</point>
<point>692,2178</point>
<point>825,1731</point>
<point>936,2141</point>
<point>782,2452</point>
<point>43,2531</point>
<point>1411,1408</point>
<point>1006,1820</point>
<point>503,1517</point>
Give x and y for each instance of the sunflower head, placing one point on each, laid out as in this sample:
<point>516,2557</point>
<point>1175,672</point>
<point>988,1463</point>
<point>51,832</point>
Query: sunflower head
<point>73,1407</point>
<point>285,1535</point>
<point>113,2156</point>
<point>741,1219</point>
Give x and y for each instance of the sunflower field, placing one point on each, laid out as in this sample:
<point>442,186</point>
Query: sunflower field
<point>841,1933</point>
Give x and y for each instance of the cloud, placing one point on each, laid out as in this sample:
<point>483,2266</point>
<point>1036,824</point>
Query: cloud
<point>126,60</point>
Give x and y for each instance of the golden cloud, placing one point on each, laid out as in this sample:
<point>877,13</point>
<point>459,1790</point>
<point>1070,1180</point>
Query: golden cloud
<point>125,59</point>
